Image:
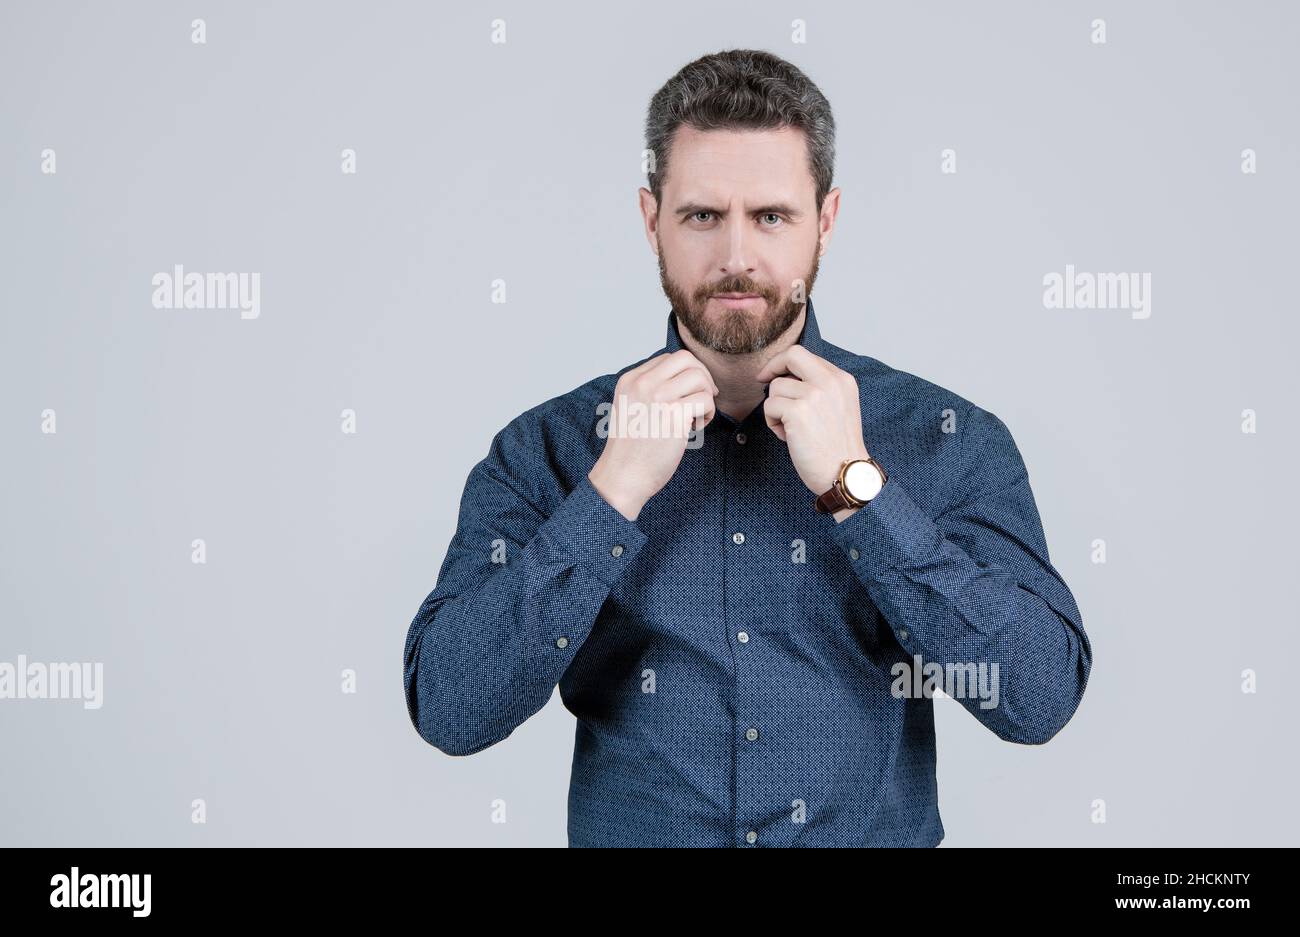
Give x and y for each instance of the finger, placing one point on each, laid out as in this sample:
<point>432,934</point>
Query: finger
<point>644,366</point>
<point>708,375</point>
<point>774,366</point>
<point>795,360</point>
<point>774,409</point>
<point>675,363</point>
<point>702,407</point>
<point>787,387</point>
<point>690,381</point>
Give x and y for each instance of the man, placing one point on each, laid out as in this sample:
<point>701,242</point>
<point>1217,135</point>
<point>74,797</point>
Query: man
<point>734,600</point>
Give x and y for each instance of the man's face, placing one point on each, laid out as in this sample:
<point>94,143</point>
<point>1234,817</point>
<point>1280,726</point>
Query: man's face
<point>738,216</point>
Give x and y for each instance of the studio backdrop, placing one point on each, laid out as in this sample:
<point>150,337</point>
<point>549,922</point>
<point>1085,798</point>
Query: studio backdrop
<point>222,507</point>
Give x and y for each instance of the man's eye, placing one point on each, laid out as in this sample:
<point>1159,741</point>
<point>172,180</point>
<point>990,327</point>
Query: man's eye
<point>698,213</point>
<point>771,214</point>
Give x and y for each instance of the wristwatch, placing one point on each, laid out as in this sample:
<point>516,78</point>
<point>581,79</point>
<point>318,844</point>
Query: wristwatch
<point>859,481</point>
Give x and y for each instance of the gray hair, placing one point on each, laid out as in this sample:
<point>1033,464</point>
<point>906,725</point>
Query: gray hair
<point>741,89</point>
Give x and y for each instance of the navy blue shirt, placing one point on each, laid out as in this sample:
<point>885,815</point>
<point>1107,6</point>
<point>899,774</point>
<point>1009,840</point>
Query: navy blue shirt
<point>744,670</point>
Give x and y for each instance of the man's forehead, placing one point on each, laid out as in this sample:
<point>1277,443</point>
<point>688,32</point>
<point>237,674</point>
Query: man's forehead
<point>740,196</point>
<point>728,193</point>
<point>739,168</point>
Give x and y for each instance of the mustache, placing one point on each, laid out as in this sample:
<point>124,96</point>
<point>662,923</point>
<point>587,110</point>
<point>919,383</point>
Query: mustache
<point>735,286</point>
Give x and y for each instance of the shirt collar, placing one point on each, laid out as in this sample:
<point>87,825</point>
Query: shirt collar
<point>810,338</point>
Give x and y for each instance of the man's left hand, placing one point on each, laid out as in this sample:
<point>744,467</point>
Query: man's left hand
<point>813,407</point>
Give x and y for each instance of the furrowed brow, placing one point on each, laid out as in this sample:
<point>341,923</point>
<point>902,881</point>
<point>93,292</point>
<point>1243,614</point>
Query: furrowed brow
<point>779,208</point>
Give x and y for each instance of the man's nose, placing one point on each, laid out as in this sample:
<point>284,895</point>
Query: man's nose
<point>739,255</point>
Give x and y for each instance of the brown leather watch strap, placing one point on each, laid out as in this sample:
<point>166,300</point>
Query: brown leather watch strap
<point>833,500</point>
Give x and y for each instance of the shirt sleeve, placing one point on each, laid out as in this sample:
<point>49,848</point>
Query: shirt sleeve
<point>975,585</point>
<point>517,594</point>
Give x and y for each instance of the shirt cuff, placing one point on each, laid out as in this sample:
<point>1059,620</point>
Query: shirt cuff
<point>592,532</point>
<point>888,531</point>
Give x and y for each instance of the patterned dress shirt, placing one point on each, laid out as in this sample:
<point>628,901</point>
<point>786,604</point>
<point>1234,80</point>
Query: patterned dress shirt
<point>745,671</point>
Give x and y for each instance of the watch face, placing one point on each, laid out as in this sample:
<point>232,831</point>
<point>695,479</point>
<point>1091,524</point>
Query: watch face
<point>862,481</point>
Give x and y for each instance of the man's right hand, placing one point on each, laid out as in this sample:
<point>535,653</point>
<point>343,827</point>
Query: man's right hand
<point>640,457</point>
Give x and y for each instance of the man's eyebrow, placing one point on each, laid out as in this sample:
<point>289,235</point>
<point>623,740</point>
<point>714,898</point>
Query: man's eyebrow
<point>779,208</point>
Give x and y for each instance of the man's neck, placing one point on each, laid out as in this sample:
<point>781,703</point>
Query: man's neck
<point>738,392</point>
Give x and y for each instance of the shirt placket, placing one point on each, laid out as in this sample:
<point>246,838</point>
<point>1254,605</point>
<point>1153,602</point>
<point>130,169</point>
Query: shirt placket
<point>741,530</point>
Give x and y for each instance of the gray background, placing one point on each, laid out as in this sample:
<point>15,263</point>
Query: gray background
<point>479,161</point>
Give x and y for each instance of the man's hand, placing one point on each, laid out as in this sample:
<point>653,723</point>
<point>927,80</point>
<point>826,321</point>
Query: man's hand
<point>655,407</point>
<point>815,410</point>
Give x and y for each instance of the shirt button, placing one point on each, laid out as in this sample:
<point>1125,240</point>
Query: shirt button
<point>751,836</point>
<point>618,549</point>
<point>743,637</point>
<point>738,537</point>
<point>740,438</point>
<point>903,634</point>
<point>853,553</point>
<point>561,642</point>
<point>751,734</point>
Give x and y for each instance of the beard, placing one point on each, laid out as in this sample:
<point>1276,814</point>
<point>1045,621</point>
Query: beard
<point>735,331</point>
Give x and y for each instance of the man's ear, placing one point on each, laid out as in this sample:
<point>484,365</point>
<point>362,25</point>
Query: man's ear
<point>649,216</point>
<point>826,218</point>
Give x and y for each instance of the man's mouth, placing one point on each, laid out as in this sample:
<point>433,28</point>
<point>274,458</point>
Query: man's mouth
<point>736,299</point>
